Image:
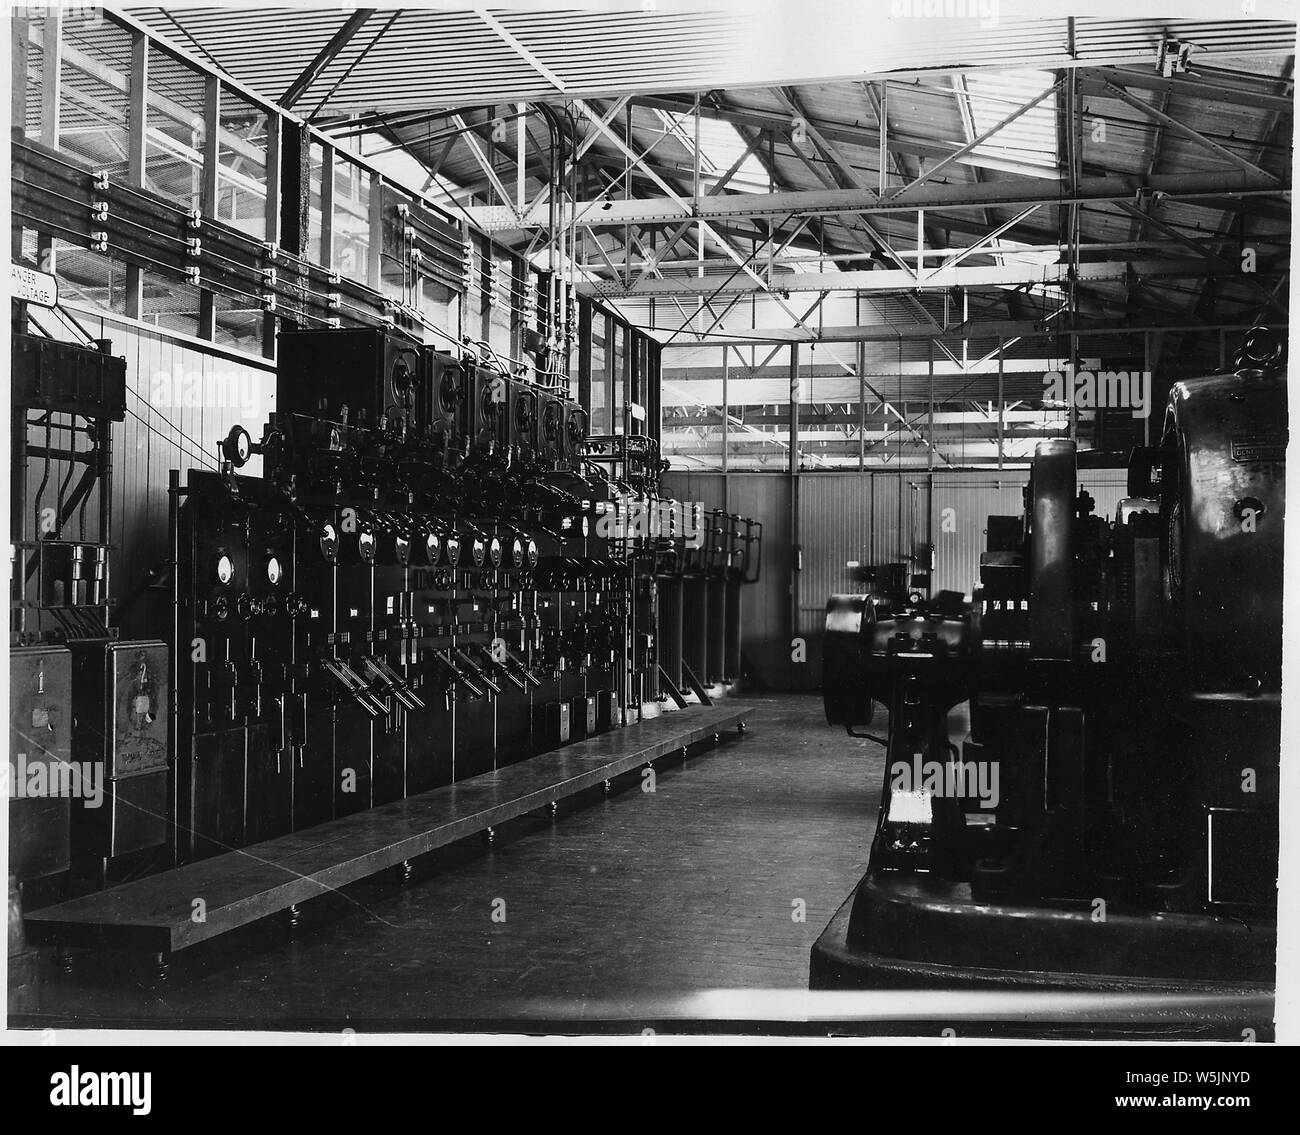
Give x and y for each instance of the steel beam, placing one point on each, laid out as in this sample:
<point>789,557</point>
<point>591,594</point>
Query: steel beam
<point>327,54</point>
<point>1187,132</point>
<point>902,281</point>
<point>1020,192</point>
<point>888,333</point>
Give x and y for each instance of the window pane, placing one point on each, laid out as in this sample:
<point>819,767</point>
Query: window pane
<point>238,323</point>
<point>174,142</point>
<point>27,112</point>
<point>241,187</point>
<point>93,93</point>
<point>599,392</point>
<point>90,279</point>
<point>501,305</point>
<point>351,219</point>
<point>620,363</point>
<point>758,409</point>
<point>691,436</point>
<point>316,163</point>
<point>170,304</point>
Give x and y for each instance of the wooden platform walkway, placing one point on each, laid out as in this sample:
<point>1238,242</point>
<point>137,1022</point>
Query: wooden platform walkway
<point>157,914</point>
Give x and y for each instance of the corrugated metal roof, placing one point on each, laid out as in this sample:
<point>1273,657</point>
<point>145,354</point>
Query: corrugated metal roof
<point>450,57</point>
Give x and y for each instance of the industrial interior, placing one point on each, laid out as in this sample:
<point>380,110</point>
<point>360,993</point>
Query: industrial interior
<point>647,518</point>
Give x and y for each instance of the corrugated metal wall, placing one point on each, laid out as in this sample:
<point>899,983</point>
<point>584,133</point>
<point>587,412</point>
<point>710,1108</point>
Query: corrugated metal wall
<point>765,605</point>
<point>181,401</point>
<point>874,517</point>
<point>961,504</point>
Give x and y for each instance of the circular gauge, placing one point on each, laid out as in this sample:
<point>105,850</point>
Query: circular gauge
<point>516,552</point>
<point>494,551</point>
<point>329,541</point>
<point>449,391</point>
<point>586,526</point>
<point>432,547</point>
<point>478,550</point>
<point>551,418</point>
<point>452,545</point>
<point>524,413</point>
<point>366,545</point>
<point>576,428</point>
<point>274,572</point>
<point>221,608</point>
<point>402,550</point>
<point>532,553</point>
<point>402,378</point>
<point>224,570</point>
<point>237,447</point>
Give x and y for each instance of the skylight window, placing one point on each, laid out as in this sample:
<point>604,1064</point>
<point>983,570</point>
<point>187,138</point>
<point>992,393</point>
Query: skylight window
<point>720,147</point>
<point>1027,145</point>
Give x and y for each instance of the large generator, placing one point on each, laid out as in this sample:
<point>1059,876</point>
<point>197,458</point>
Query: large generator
<point>1082,758</point>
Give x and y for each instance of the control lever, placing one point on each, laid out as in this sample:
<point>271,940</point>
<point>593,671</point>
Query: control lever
<point>523,668</point>
<point>393,683</point>
<point>444,659</point>
<point>477,670</point>
<point>503,670</point>
<point>356,686</point>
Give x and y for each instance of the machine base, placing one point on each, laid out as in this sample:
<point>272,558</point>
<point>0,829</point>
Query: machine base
<point>916,933</point>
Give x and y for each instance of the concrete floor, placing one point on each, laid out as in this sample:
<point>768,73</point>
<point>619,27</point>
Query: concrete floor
<point>626,908</point>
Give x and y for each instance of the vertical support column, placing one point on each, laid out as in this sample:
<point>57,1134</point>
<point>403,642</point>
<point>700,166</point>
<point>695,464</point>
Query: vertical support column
<point>211,146</point>
<point>929,422</point>
<point>210,192</point>
<point>18,82</point>
<point>521,142</point>
<point>292,158</point>
<point>654,410</point>
<point>274,177</point>
<point>326,250</point>
<point>726,371</point>
<point>51,75</point>
<point>584,360</point>
<point>862,406</point>
<point>1002,405</point>
<point>137,110</point>
<point>294,168</point>
<point>207,314</point>
<point>883,156</point>
<point>272,216</point>
<point>1073,409</point>
<point>796,551</point>
<point>137,126</point>
<point>210,187</point>
<point>375,249</point>
<point>794,408</point>
<point>51,84</point>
